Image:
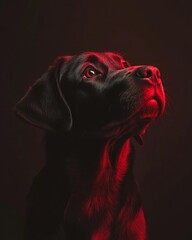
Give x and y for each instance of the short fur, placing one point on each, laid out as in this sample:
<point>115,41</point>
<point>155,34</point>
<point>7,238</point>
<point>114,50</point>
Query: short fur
<point>90,106</point>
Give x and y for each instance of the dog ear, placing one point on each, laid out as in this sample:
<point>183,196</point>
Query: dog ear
<point>44,104</point>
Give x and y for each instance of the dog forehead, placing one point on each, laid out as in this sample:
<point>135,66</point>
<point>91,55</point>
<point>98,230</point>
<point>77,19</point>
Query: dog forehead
<point>109,59</point>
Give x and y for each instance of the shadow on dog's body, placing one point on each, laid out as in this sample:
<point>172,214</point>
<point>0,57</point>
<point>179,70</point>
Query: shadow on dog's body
<point>92,103</point>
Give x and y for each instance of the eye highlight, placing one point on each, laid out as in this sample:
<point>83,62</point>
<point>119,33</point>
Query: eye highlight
<point>90,72</point>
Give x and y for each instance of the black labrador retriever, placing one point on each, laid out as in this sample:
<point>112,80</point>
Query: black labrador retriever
<point>91,105</point>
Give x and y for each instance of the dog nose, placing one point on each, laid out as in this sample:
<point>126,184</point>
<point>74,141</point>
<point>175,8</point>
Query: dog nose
<point>149,72</point>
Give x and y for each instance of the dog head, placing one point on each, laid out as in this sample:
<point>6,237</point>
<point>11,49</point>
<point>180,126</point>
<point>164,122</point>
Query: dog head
<point>94,93</point>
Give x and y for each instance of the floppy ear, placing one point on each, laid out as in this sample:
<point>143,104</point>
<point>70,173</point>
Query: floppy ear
<point>44,104</point>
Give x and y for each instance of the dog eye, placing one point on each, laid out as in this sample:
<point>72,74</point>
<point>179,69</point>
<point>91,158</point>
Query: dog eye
<point>90,72</point>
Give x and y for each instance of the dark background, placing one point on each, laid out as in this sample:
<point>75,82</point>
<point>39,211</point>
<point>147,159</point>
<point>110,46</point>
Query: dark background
<point>34,32</point>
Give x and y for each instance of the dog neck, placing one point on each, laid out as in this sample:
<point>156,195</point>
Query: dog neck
<point>98,178</point>
<point>91,157</point>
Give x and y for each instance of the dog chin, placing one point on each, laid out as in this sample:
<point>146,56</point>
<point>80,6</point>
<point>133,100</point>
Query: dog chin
<point>150,110</point>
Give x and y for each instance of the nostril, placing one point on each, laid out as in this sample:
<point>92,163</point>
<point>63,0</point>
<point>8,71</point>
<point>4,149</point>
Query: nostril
<point>147,74</point>
<point>144,74</point>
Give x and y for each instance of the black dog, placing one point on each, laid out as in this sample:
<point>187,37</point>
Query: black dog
<point>91,104</point>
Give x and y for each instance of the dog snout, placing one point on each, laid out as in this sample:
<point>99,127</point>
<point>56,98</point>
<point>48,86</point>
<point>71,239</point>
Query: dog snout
<point>148,73</point>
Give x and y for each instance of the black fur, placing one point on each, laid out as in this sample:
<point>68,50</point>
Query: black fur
<point>91,105</point>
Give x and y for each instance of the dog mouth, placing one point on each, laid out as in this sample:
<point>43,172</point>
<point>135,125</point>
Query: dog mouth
<point>136,124</point>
